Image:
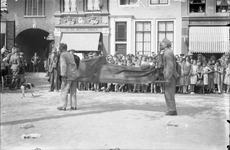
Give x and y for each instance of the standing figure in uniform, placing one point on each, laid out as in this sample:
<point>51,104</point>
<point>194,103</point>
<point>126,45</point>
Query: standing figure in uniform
<point>170,76</point>
<point>35,61</point>
<point>68,72</point>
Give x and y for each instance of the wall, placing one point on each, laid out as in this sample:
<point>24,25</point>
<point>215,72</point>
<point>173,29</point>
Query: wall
<point>16,12</point>
<point>209,18</point>
<point>150,13</point>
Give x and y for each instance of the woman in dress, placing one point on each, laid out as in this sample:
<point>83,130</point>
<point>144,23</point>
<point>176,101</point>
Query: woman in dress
<point>218,71</point>
<point>186,67</point>
<point>199,71</point>
<point>227,77</point>
<point>206,70</point>
<point>193,76</point>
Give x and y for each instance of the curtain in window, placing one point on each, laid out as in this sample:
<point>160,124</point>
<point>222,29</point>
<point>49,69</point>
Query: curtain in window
<point>158,1</point>
<point>35,7</point>
<point>143,37</point>
<point>93,4</point>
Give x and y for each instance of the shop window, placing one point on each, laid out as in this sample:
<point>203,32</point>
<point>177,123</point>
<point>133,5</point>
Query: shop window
<point>121,31</point>
<point>143,37</point>
<point>35,8</point>
<point>156,2</point>
<point>222,6</point>
<point>165,30</point>
<point>197,6</point>
<point>128,2</point>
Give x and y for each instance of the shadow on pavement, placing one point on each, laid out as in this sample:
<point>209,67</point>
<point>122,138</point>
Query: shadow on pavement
<point>158,108</point>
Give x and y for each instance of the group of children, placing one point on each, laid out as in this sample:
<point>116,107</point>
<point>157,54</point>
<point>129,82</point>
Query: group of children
<point>203,75</point>
<point>198,75</point>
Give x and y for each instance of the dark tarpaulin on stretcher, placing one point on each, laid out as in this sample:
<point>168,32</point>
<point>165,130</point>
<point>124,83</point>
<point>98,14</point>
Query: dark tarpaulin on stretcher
<point>97,70</point>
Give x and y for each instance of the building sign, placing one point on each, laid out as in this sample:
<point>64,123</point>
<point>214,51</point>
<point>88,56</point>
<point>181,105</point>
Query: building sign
<point>84,30</point>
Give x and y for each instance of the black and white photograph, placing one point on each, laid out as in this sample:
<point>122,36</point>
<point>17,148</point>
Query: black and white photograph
<point>115,75</point>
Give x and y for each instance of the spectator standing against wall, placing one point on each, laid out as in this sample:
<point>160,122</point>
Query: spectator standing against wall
<point>53,69</point>
<point>35,61</point>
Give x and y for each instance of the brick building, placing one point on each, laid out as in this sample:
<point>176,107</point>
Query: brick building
<point>26,24</point>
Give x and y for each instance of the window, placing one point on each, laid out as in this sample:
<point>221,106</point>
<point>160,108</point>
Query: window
<point>128,2</point>
<point>156,2</point>
<point>121,37</point>
<point>93,5</point>
<point>222,6</point>
<point>197,6</point>
<point>3,5</point>
<point>35,7</point>
<point>165,30</point>
<point>143,37</point>
<point>121,31</point>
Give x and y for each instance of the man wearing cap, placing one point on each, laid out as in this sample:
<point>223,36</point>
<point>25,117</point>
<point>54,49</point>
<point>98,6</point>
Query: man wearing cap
<point>170,75</point>
<point>68,73</point>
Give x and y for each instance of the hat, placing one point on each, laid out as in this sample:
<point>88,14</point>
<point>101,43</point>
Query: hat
<point>166,42</point>
<point>62,46</point>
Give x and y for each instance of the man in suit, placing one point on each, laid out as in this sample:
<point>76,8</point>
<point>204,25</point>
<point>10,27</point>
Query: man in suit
<point>68,72</point>
<point>53,69</point>
<point>170,75</point>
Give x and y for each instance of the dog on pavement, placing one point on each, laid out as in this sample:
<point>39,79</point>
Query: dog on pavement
<point>27,87</point>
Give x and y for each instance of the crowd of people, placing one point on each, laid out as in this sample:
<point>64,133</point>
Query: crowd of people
<point>13,63</point>
<point>197,73</point>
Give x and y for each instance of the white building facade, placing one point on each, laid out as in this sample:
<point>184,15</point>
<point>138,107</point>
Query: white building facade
<point>137,26</point>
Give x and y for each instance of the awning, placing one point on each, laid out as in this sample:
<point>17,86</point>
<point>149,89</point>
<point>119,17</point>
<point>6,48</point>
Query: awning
<point>209,39</point>
<point>81,41</point>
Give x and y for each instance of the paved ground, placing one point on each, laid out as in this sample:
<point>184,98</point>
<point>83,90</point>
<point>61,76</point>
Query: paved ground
<point>113,120</point>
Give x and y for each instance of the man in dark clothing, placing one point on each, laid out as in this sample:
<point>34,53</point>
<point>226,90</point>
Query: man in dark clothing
<point>35,61</point>
<point>170,76</point>
<point>53,69</point>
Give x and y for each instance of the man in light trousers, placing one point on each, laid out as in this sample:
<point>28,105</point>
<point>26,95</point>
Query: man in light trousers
<point>68,73</point>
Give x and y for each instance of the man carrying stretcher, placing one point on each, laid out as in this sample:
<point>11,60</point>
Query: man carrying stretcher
<point>97,70</point>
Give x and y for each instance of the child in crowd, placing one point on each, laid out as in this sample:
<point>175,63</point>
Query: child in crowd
<point>193,76</point>
<point>206,70</point>
<point>218,71</point>
<point>210,77</point>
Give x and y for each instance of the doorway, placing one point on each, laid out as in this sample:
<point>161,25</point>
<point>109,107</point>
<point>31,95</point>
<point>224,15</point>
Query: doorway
<point>32,41</point>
